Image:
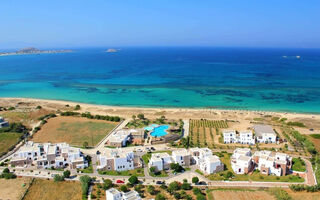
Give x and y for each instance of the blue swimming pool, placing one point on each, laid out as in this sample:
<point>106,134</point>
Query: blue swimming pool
<point>159,131</point>
<point>150,127</point>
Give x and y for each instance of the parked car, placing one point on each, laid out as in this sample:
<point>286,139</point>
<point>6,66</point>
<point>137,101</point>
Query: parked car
<point>152,148</point>
<point>202,183</point>
<point>120,182</point>
<point>159,182</point>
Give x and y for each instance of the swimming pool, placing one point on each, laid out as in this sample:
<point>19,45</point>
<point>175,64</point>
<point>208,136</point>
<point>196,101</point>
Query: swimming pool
<point>159,131</point>
<point>150,127</point>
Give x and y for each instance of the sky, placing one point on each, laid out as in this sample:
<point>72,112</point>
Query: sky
<point>119,23</point>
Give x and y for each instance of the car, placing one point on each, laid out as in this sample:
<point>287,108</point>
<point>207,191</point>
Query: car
<point>120,182</point>
<point>152,148</point>
<point>159,182</point>
<point>139,150</point>
<point>202,183</point>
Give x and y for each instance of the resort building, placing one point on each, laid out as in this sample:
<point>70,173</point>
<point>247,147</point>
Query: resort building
<point>182,157</point>
<point>265,134</point>
<point>121,137</point>
<point>161,161</point>
<point>114,194</point>
<point>49,155</point>
<point>205,160</point>
<point>118,160</point>
<point>241,161</point>
<point>243,137</point>
<point>3,123</point>
<point>274,163</point>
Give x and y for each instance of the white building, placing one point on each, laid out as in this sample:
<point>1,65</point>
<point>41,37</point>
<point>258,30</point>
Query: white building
<point>272,163</point>
<point>243,137</point>
<point>160,161</point>
<point>265,134</point>
<point>3,123</point>
<point>49,155</point>
<point>205,160</point>
<point>116,159</point>
<point>241,161</point>
<point>114,194</point>
<point>119,138</point>
<point>182,157</point>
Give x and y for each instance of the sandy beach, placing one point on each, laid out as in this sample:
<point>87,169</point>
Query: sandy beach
<point>176,113</point>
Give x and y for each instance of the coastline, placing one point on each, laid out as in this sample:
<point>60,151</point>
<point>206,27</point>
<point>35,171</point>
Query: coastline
<point>176,112</point>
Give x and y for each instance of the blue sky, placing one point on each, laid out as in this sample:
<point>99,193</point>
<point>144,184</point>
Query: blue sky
<point>106,23</point>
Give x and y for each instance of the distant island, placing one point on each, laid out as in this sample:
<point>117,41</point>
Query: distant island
<point>112,50</point>
<point>32,50</point>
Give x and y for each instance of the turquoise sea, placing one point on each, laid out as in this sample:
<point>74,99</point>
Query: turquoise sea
<point>227,78</point>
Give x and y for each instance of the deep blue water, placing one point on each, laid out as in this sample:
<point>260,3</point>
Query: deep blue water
<point>228,78</point>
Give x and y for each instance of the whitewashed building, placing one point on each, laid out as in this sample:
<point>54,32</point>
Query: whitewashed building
<point>161,161</point>
<point>116,160</point>
<point>114,194</point>
<point>274,163</point>
<point>3,123</point>
<point>49,155</point>
<point>182,157</point>
<point>241,161</point>
<point>205,160</point>
<point>243,137</point>
<point>265,134</point>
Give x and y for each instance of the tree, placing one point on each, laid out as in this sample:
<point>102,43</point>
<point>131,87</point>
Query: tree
<point>107,184</point>
<point>195,180</point>
<point>6,170</point>
<point>38,107</point>
<point>152,170</point>
<point>85,182</point>
<point>174,186</point>
<point>151,190</point>
<point>133,180</point>
<point>186,186</point>
<point>160,197</point>
<point>58,178</point>
<point>123,188</point>
<point>141,116</point>
<point>134,117</point>
<point>201,197</point>
<point>176,167</point>
<point>196,191</point>
<point>66,174</point>
<point>77,107</point>
<point>85,144</point>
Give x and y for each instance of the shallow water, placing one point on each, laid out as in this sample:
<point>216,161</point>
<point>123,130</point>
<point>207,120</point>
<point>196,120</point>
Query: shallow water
<point>228,78</point>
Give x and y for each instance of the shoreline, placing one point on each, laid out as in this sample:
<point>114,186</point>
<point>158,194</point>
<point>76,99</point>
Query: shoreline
<point>128,110</point>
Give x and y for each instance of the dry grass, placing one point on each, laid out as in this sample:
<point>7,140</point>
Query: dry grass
<point>8,140</point>
<point>74,130</point>
<point>14,188</point>
<point>49,190</point>
<point>25,116</point>
<point>241,195</point>
<point>303,195</point>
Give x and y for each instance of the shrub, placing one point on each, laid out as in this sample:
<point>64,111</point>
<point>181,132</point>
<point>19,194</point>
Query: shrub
<point>58,178</point>
<point>123,188</point>
<point>67,174</point>
<point>195,180</point>
<point>133,180</point>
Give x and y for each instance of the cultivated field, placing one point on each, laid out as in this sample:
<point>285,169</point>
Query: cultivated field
<point>74,130</point>
<point>8,140</point>
<point>304,195</point>
<point>50,190</point>
<point>13,189</point>
<point>240,195</point>
<point>203,132</point>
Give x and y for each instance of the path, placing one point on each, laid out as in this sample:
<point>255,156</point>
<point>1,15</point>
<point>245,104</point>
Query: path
<point>185,128</point>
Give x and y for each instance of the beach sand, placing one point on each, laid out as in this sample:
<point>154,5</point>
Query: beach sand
<point>313,120</point>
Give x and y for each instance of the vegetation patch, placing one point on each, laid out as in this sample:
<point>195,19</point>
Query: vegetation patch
<point>298,165</point>
<point>135,172</point>
<point>315,136</point>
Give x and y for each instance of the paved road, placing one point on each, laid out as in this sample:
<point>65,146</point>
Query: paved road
<point>185,128</point>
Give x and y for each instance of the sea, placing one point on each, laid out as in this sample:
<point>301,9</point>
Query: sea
<point>264,79</point>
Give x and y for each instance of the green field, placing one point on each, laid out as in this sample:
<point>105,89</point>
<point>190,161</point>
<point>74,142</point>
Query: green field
<point>8,140</point>
<point>315,136</point>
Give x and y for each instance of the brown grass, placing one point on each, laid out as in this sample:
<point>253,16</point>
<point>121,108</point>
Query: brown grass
<point>14,188</point>
<point>50,190</point>
<point>26,116</point>
<point>241,195</point>
<point>74,130</point>
<point>304,195</point>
